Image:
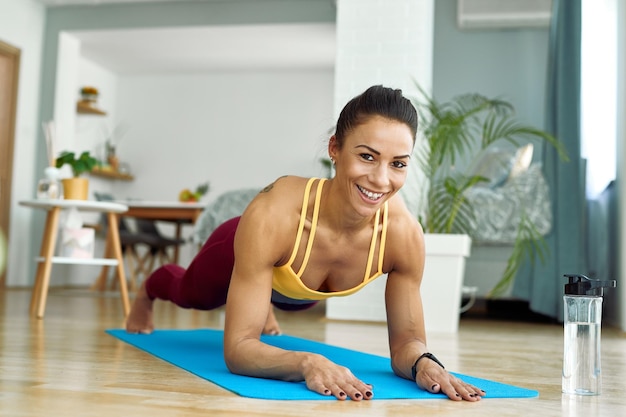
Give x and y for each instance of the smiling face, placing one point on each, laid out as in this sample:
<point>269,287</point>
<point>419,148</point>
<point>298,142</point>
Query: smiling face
<point>372,163</point>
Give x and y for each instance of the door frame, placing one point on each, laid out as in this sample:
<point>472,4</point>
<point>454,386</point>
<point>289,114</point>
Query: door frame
<point>8,108</point>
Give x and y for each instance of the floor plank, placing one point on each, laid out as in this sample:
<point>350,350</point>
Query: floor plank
<point>66,365</point>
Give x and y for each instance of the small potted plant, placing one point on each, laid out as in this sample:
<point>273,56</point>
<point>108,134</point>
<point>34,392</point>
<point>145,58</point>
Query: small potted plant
<point>89,93</point>
<point>77,187</point>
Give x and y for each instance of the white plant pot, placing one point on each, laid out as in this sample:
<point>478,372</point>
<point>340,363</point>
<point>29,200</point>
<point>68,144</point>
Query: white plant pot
<point>441,288</point>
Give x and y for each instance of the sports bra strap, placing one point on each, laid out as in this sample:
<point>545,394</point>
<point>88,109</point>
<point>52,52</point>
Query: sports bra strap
<point>316,212</point>
<point>316,209</point>
<point>305,205</point>
<point>370,255</point>
<point>383,239</point>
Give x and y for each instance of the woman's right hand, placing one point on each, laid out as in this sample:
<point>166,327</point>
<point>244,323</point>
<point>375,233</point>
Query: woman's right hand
<point>327,378</point>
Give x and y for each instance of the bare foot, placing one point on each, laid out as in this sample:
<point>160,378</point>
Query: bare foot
<point>271,324</point>
<point>140,318</point>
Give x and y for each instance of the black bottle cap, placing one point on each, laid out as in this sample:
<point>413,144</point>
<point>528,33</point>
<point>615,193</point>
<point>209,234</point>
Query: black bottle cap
<point>583,285</point>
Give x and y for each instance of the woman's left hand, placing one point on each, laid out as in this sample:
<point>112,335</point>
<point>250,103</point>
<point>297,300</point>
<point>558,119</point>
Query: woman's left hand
<point>433,378</point>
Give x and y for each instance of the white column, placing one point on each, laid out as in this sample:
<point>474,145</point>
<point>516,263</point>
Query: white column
<point>388,42</point>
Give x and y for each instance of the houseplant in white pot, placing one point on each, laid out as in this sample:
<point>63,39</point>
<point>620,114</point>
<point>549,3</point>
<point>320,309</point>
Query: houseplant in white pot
<point>452,134</point>
<point>457,133</point>
<point>76,187</point>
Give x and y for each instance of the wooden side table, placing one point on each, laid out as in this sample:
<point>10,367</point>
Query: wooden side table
<point>112,255</point>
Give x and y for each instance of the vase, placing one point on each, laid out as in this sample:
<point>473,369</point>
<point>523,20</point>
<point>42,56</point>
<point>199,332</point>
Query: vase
<point>75,188</point>
<point>114,161</point>
<point>49,187</point>
<point>92,98</point>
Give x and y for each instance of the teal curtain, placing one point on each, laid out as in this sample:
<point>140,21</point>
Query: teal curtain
<point>541,283</point>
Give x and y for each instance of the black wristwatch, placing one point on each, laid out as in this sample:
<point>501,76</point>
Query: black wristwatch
<point>424,355</point>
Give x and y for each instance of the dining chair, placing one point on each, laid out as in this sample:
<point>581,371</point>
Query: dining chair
<point>136,249</point>
<point>160,245</point>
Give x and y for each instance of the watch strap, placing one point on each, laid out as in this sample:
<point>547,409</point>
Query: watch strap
<point>424,355</point>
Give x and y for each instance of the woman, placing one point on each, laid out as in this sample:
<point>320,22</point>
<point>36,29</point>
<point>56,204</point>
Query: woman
<point>303,240</point>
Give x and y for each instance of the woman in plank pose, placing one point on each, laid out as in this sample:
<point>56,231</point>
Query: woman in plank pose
<point>302,240</point>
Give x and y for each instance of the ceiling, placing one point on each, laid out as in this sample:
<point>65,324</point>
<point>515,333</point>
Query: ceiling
<point>198,49</point>
<point>96,2</point>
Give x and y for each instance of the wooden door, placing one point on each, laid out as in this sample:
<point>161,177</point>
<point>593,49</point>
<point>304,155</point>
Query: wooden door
<point>9,70</point>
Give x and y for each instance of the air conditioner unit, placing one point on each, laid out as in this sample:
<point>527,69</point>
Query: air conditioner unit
<point>502,14</point>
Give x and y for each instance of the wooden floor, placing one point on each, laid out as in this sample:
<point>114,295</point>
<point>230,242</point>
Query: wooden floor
<point>65,365</point>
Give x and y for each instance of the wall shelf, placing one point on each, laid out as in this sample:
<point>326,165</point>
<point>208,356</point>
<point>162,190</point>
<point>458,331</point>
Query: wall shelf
<point>86,107</point>
<point>109,173</point>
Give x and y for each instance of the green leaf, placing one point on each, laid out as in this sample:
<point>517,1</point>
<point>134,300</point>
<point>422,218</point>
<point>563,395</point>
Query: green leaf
<point>529,244</point>
<point>84,163</point>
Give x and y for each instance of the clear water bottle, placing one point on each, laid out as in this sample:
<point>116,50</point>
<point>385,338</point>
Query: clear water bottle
<point>583,322</point>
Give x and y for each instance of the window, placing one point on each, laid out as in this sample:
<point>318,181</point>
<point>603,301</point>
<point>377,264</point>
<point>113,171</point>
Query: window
<point>599,92</point>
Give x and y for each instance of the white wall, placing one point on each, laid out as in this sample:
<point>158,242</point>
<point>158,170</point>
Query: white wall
<point>91,131</point>
<point>21,25</point>
<point>233,129</point>
<point>79,133</point>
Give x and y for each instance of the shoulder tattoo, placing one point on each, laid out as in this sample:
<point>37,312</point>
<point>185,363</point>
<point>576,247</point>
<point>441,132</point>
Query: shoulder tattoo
<point>268,188</point>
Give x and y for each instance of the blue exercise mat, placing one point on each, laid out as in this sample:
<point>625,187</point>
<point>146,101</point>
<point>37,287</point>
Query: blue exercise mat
<point>201,353</point>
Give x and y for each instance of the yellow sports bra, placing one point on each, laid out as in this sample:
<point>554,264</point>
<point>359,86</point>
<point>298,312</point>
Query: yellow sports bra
<point>289,283</point>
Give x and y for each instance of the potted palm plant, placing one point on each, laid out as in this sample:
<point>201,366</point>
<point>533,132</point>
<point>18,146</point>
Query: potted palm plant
<point>77,187</point>
<point>459,131</point>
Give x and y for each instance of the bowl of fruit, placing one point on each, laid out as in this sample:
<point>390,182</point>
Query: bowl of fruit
<point>189,196</point>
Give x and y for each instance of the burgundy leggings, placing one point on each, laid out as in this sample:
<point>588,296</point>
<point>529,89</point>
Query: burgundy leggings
<point>204,284</point>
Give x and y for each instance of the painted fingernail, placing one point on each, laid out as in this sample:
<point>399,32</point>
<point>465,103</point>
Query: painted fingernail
<point>472,395</point>
<point>434,387</point>
<point>342,394</point>
<point>357,395</point>
<point>457,395</point>
<point>368,394</point>
<point>326,391</point>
